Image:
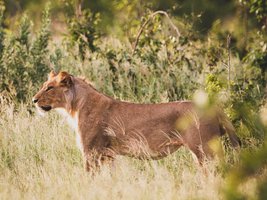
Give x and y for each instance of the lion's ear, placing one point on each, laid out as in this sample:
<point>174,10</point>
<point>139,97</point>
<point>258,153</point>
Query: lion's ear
<point>51,75</point>
<point>65,79</point>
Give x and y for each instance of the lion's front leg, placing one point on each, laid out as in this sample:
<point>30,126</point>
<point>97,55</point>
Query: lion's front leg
<point>96,159</point>
<point>88,165</point>
<point>91,163</point>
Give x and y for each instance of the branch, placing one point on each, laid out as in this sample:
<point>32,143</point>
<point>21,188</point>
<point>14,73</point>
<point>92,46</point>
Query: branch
<point>148,20</point>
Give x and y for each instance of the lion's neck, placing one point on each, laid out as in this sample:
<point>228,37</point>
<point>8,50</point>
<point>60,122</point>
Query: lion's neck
<point>86,98</point>
<point>86,101</point>
<point>71,119</point>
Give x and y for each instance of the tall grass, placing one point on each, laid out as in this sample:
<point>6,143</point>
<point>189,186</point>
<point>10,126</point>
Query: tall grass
<point>39,160</point>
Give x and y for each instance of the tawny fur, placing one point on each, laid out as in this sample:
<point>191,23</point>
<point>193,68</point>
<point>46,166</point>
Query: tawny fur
<point>106,127</point>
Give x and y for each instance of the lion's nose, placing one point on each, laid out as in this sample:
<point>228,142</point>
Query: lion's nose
<point>35,100</point>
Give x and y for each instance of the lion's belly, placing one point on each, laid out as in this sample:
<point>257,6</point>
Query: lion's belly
<point>148,153</point>
<point>141,145</point>
<point>146,133</point>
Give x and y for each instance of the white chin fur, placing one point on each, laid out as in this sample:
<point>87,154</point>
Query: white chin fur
<point>40,111</point>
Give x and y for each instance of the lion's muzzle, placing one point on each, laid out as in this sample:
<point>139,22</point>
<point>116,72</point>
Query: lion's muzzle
<point>46,108</point>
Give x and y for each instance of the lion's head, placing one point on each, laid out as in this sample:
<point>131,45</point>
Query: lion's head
<point>56,92</point>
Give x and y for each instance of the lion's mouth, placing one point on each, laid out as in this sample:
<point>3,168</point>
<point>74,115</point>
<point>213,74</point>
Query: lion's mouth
<point>46,108</point>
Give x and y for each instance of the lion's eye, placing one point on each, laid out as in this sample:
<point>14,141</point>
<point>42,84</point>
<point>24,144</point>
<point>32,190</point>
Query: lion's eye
<point>49,88</point>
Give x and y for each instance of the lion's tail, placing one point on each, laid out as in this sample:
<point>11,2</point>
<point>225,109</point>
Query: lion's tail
<point>226,126</point>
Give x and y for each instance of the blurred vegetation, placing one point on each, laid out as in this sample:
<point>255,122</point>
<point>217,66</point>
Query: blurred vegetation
<point>221,48</point>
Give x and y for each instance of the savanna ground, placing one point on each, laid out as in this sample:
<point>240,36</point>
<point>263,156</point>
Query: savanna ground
<point>173,60</point>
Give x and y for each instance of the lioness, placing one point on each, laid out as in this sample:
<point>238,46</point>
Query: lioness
<point>107,127</point>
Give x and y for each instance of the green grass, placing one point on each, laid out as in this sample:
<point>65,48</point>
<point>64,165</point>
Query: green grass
<point>39,160</point>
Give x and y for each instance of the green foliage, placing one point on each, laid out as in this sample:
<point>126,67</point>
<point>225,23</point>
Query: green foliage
<point>83,31</point>
<point>251,165</point>
<point>23,61</point>
<point>213,85</point>
<point>2,34</point>
<point>39,49</point>
<point>259,8</point>
<point>257,58</point>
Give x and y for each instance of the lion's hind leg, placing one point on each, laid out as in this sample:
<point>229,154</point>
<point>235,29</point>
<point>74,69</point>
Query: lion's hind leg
<point>202,152</point>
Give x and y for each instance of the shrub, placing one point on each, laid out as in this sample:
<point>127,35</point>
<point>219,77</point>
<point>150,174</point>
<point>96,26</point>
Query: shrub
<point>23,62</point>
